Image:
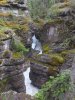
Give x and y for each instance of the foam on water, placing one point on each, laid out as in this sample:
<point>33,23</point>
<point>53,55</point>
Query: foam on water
<point>36,45</point>
<point>30,89</point>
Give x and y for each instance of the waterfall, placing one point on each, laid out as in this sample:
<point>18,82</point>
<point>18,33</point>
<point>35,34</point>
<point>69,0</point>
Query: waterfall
<point>36,45</point>
<point>30,89</point>
<point>7,44</point>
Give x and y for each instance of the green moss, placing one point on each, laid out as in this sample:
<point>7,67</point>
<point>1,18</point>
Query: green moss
<point>7,54</point>
<point>2,34</point>
<point>18,46</point>
<point>39,22</point>
<point>3,84</point>
<point>52,70</point>
<point>17,55</point>
<point>56,59</point>
<point>58,8</point>
<point>38,62</point>
<point>16,23</point>
<point>1,62</point>
<point>46,48</point>
<point>3,2</point>
<point>1,43</point>
<point>65,52</point>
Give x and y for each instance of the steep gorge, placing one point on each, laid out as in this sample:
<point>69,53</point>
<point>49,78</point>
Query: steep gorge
<point>34,50</point>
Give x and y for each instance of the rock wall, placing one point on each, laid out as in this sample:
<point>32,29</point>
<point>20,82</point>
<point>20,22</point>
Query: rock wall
<point>57,38</point>
<point>43,66</point>
<point>11,68</point>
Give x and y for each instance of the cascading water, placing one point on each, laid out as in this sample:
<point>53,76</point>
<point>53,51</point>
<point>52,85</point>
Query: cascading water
<point>30,89</point>
<point>36,45</point>
<point>7,44</point>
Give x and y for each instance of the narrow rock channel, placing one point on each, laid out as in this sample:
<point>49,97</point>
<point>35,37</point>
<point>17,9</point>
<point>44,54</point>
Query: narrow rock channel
<point>30,89</point>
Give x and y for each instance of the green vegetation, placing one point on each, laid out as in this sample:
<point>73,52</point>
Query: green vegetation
<point>46,48</point>
<point>3,84</point>
<point>7,54</point>
<point>3,2</point>
<point>0,62</point>
<point>55,87</point>
<point>57,58</point>
<point>58,8</point>
<point>2,34</point>
<point>18,46</point>
<point>17,55</point>
<point>39,8</point>
<point>9,21</point>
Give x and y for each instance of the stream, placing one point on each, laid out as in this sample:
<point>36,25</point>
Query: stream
<point>6,44</point>
<point>36,44</point>
<point>30,89</point>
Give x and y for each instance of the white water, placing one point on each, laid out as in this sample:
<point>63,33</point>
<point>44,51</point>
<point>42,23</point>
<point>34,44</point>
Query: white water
<point>30,89</point>
<point>7,44</point>
<point>36,45</point>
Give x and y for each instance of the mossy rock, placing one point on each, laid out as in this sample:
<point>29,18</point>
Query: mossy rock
<point>1,61</point>
<point>3,84</point>
<point>16,23</point>
<point>65,52</point>
<point>17,55</point>
<point>53,70</point>
<point>50,59</point>
<point>5,14</point>
<point>18,46</point>
<point>2,33</point>
<point>56,59</point>
<point>7,54</point>
<point>1,43</point>
<point>59,8</point>
<point>3,2</point>
<point>46,48</point>
<point>39,23</point>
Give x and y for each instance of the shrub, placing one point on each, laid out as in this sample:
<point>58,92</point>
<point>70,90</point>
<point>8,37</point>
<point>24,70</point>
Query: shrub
<point>18,46</point>
<point>55,87</point>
